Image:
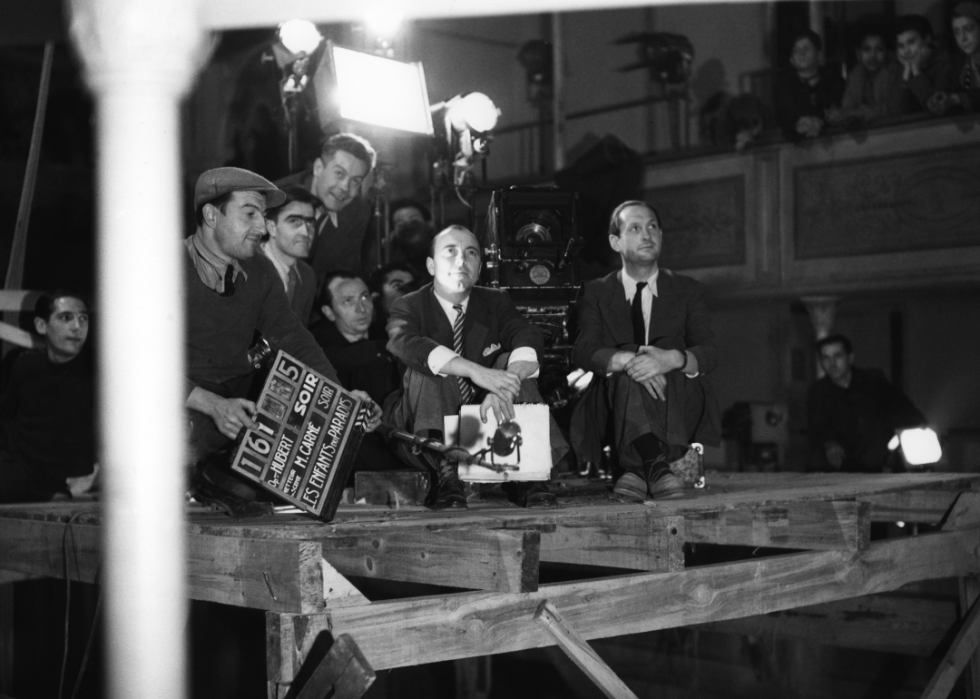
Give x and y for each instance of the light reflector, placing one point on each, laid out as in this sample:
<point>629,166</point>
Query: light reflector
<point>381,91</point>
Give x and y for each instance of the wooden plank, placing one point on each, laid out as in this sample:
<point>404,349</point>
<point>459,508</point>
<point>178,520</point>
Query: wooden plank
<point>903,624</point>
<point>587,660</point>
<point>256,573</point>
<point>643,542</point>
<point>922,506</point>
<point>343,673</point>
<point>964,513</point>
<point>423,630</point>
<point>496,559</point>
<point>964,646</point>
<point>969,591</point>
<point>818,526</point>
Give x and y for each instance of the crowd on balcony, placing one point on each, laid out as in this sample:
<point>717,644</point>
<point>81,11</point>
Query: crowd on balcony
<point>920,77</point>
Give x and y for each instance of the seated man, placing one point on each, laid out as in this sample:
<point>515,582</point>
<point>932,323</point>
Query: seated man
<point>645,334</point>
<point>852,413</point>
<point>388,283</point>
<point>290,227</point>
<point>350,339</point>
<point>874,85</point>
<point>804,96</point>
<point>450,335</point>
<point>47,409</point>
<point>964,93</point>
<point>927,72</point>
<point>232,294</point>
<point>355,345</point>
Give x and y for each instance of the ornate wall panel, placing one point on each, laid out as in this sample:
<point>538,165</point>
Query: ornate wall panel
<point>892,204</point>
<point>703,222</point>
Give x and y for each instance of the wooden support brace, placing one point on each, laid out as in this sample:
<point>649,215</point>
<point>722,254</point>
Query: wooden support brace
<point>582,653</point>
<point>816,525</point>
<point>342,673</point>
<point>964,513</point>
<point>969,594</point>
<point>504,560</point>
<point>639,542</point>
<point>960,653</point>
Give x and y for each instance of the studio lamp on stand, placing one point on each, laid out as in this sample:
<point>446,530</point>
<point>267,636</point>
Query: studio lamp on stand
<point>297,40</point>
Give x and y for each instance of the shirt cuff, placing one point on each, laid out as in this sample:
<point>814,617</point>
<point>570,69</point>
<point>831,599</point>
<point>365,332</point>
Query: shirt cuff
<point>525,354</point>
<point>438,358</point>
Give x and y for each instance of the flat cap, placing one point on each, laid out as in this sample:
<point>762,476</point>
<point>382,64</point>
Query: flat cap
<point>221,180</point>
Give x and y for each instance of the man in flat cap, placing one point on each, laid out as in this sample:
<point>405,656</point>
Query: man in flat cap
<point>233,293</point>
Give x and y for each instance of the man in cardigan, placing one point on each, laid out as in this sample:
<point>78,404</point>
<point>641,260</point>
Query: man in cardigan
<point>232,293</point>
<point>451,335</point>
<point>290,227</point>
<point>646,335</point>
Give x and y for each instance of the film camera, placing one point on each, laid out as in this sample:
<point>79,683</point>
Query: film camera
<point>531,250</point>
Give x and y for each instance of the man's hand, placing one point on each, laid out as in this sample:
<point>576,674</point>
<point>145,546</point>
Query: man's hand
<point>835,454</point>
<point>374,417</point>
<point>653,361</point>
<point>656,387</point>
<point>502,408</point>
<point>619,361</point>
<point>523,369</point>
<point>502,383</point>
<point>230,415</point>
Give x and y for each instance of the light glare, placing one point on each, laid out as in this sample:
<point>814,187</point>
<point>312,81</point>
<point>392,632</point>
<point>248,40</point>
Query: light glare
<point>383,19</point>
<point>381,91</point>
<point>920,445</point>
<point>299,36</point>
<point>475,112</point>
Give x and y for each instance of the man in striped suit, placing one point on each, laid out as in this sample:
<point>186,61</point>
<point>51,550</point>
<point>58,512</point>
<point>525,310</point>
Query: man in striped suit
<point>461,343</point>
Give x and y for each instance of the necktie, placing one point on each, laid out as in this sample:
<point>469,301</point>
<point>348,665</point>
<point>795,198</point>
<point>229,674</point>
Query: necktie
<point>636,313</point>
<point>229,281</point>
<point>291,283</point>
<point>465,388</point>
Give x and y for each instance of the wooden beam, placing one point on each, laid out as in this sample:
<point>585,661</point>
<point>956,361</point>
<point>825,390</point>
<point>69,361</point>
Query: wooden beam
<point>964,513</point>
<point>587,660</point>
<point>922,506</point>
<point>342,673</point>
<point>818,526</point>
<point>969,591</point>
<point>493,559</point>
<point>898,623</point>
<point>424,630</point>
<point>960,653</point>
<point>646,541</point>
<point>258,573</point>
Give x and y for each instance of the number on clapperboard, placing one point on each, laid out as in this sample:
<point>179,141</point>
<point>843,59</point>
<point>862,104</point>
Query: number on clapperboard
<point>258,444</point>
<point>291,370</point>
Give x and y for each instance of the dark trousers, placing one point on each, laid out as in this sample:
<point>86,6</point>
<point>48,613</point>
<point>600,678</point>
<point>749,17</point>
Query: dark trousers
<point>616,410</point>
<point>19,482</point>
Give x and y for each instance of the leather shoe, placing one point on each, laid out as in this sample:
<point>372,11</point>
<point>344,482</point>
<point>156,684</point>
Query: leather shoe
<point>233,505</point>
<point>449,493</point>
<point>530,494</point>
<point>653,481</point>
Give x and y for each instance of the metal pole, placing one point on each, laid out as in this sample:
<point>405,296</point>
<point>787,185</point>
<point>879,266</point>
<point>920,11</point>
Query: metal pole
<point>140,57</point>
<point>558,103</point>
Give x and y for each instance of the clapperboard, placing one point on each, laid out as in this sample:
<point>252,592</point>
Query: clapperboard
<point>309,430</point>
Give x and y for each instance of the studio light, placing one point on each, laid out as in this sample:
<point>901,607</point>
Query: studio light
<point>920,446</point>
<point>383,19</point>
<point>473,111</point>
<point>380,91</point>
<point>300,36</point>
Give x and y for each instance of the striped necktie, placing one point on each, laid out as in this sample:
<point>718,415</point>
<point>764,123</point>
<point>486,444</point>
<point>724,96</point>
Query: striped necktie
<point>465,387</point>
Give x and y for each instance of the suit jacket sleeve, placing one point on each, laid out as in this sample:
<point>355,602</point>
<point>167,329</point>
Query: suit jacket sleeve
<point>406,338</point>
<point>515,331</point>
<point>593,347</point>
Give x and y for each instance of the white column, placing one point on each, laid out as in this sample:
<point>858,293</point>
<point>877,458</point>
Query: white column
<point>140,57</point>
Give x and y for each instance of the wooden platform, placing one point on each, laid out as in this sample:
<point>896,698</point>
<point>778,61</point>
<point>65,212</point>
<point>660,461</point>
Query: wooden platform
<point>622,563</point>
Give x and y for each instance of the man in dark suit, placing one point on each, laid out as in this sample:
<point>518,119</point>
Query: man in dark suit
<point>341,240</point>
<point>646,335</point>
<point>290,227</point>
<point>454,338</point>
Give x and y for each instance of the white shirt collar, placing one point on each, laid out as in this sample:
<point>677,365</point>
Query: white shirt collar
<point>629,284</point>
<point>447,306</point>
